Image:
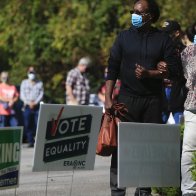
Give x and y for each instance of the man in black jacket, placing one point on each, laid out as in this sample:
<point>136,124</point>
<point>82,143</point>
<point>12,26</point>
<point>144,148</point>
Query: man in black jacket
<point>174,91</point>
<point>140,57</point>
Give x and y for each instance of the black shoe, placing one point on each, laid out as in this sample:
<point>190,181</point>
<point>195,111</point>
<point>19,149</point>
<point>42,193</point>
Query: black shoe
<point>143,192</point>
<point>30,146</point>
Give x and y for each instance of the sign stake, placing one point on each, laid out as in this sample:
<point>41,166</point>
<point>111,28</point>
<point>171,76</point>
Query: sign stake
<point>46,192</point>
<point>72,177</point>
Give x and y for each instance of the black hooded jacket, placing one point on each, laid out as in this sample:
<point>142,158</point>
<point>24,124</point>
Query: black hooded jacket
<point>178,88</point>
<point>147,49</point>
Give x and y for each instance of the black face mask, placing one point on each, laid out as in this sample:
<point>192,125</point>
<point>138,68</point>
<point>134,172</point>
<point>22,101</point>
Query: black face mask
<point>173,36</point>
<point>179,46</point>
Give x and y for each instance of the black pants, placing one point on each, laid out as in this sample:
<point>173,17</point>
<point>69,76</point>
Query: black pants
<point>140,109</point>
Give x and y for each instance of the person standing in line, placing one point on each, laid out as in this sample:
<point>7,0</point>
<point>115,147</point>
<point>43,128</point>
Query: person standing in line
<point>174,91</point>
<point>188,55</point>
<point>77,84</point>
<point>101,91</point>
<point>31,93</point>
<point>8,97</point>
<point>140,57</point>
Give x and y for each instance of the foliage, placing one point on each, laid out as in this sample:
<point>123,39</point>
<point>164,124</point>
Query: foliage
<point>170,191</point>
<point>53,34</point>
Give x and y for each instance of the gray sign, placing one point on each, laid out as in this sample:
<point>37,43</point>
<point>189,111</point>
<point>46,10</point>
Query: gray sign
<point>148,155</point>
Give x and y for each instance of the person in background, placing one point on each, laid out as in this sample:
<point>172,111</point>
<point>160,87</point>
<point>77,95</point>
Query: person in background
<point>101,91</point>
<point>31,93</point>
<point>77,84</point>
<point>188,35</point>
<point>174,91</point>
<point>188,55</point>
<point>141,57</point>
<point>8,97</point>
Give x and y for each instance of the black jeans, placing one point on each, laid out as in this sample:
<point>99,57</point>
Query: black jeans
<point>140,109</point>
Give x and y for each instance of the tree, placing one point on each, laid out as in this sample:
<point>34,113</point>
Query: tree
<point>54,34</point>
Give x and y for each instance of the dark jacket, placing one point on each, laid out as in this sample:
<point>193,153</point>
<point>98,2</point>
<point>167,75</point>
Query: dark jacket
<point>145,48</point>
<point>178,95</point>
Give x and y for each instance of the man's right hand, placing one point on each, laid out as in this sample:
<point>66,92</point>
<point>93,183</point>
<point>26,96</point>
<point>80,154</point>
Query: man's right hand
<point>32,105</point>
<point>162,67</point>
<point>167,83</point>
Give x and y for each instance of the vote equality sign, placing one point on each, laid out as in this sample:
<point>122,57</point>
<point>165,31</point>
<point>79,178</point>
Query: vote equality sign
<point>10,151</point>
<point>66,137</point>
<point>148,155</point>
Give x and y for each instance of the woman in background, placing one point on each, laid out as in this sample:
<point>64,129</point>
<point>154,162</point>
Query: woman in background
<point>188,185</point>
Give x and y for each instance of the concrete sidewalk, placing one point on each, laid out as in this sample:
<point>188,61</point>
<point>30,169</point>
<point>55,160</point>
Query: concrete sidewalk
<point>66,183</point>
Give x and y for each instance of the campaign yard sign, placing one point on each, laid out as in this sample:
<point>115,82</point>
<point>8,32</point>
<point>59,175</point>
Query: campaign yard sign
<point>66,137</point>
<point>10,150</point>
<point>148,155</point>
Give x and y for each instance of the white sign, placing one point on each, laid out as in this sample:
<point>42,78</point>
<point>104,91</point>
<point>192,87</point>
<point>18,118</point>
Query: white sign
<point>66,137</point>
<point>148,155</point>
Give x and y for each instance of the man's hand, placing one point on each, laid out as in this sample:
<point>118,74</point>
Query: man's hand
<point>167,83</point>
<point>32,104</point>
<point>140,72</point>
<point>11,103</point>
<point>162,67</point>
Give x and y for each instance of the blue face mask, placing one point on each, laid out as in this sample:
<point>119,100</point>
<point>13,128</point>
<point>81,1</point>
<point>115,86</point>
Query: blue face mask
<point>194,39</point>
<point>136,20</point>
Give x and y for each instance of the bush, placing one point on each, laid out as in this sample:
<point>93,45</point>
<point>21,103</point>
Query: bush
<point>169,191</point>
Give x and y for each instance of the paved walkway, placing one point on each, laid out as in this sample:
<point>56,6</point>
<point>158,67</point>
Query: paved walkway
<point>79,183</point>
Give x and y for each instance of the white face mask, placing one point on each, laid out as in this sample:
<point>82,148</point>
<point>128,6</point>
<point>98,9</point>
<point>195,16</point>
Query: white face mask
<point>4,80</point>
<point>31,76</point>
